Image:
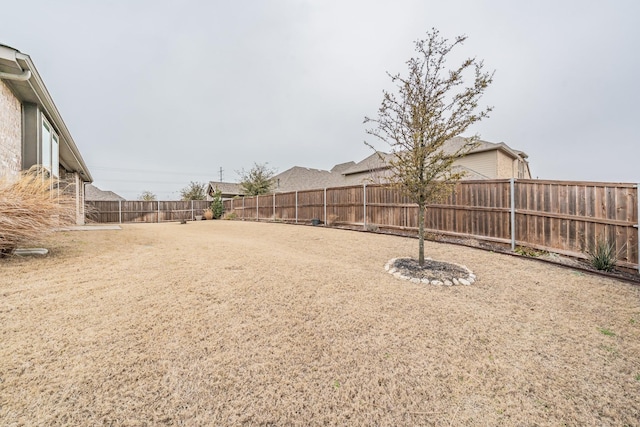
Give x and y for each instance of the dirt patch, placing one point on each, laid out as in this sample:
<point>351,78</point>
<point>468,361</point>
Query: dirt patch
<point>230,323</point>
<point>430,272</point>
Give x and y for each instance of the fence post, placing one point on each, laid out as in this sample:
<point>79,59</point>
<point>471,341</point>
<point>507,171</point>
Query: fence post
<point>243,208</point>
<point>638,220</point>
<point>274,206</point>
<point>364,207</point>
<point>296,206</point>
<point>257,208</point>
<point>513,213</point>
<point>120,211</point>
<point>325,206</point>
<point>158,211</point>
<point>192,210</point>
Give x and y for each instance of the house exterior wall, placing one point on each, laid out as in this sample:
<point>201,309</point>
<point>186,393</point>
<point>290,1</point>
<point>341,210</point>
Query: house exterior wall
<point>32,124</point>
<point>509,167</point>
<point>506,166</point>
<point>10,132</point>
<point>524,171</point>
<point>484,163</point>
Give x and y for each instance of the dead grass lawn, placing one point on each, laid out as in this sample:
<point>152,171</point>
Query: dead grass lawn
<point>235,323</point>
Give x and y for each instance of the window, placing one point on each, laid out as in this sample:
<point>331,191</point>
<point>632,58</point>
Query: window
<point>50,149</point>
<point>55,152</point>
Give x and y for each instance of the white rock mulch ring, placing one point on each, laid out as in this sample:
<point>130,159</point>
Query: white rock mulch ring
<point>436,273</point>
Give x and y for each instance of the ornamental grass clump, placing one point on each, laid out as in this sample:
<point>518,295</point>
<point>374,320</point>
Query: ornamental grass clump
<point>603,256</point>
<point>31,208</point>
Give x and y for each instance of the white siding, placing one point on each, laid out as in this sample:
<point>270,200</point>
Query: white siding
<point>484,163</point>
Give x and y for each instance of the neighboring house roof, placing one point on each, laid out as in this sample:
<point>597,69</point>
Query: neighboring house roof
<point>372,169</point>
<point>20,74</point>
<point>341,167</point>
<point>228,189</point>
<point>378,160</point>
<point>299,178</point>
<point>94,194</point>
<point>374,162</point>
<point>455,143</point>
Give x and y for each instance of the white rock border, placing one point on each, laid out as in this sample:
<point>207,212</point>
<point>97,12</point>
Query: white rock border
<point>465,281</point>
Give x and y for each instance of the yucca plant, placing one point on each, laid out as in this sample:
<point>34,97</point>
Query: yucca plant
<point>30,209</point>
<point>603,255</point>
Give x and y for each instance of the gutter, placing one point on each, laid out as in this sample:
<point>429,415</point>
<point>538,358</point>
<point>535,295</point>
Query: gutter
<point>22,77</point>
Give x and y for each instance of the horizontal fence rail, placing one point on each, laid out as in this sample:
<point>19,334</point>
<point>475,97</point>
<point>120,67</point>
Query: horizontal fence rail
<point>565,217</point>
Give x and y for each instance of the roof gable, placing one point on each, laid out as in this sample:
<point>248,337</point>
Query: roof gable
<point>94,194</point>
<point>300,178</point>
<point>341,167</point>
<point>375,161</point>
<point>228,189</point>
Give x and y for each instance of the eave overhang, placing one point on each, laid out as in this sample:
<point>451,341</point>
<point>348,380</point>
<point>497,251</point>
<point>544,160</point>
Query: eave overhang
<point>33,90</point>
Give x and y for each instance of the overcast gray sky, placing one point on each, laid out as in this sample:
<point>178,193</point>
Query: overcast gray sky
<point>159,93</point>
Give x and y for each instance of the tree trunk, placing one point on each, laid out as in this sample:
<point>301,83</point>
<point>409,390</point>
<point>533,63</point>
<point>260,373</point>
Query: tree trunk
<point>421,233</point>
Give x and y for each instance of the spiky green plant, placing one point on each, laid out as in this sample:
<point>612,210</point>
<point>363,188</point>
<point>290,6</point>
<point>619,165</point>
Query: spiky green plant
<point>603,255</point>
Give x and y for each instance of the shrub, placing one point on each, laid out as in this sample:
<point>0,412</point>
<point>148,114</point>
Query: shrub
<point>372,228</point>
<point>529,252</point>
<point>602,256</point>
<point>29,209</point>
<point>217,207</point>
<point>194,191</point>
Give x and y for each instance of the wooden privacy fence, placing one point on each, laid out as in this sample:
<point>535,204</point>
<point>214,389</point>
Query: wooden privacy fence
<point>144,211</point>
<point>565,217</point>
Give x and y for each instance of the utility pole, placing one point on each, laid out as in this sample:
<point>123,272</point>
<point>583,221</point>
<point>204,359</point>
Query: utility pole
<point>220,173</point>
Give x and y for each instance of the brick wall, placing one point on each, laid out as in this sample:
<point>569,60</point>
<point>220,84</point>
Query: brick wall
<point>72,185</point>
<point>10,132</point>
<point>511,168</point>
<point>506,166</point>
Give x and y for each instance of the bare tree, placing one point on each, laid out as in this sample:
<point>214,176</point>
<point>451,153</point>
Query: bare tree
<point>432,105</point>
<point>259,180</point>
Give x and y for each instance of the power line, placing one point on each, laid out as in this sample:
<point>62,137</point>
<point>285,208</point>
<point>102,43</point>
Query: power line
<point>128,170</point>
<point>141,181</point>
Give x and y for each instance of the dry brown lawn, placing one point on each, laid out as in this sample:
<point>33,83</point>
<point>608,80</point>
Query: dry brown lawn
<point>238,323</point>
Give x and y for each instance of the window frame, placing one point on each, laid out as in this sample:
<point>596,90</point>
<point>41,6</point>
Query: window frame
<point>50,148</point>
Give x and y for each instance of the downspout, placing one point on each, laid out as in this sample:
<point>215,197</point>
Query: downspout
<point>22,77</point>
